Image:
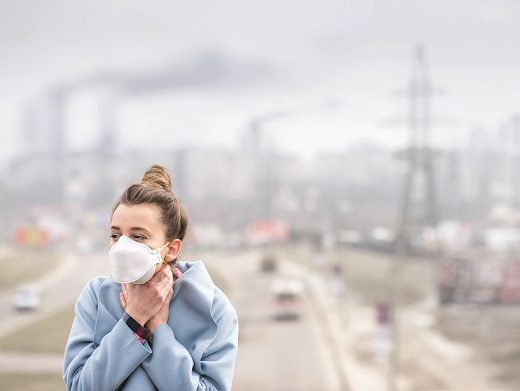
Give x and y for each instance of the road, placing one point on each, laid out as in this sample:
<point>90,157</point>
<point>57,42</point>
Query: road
<point>274,355</point>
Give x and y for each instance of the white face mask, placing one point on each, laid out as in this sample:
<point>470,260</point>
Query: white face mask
<point>133,262</point>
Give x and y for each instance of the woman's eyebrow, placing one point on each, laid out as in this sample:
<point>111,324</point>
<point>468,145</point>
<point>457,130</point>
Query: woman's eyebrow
<point>114,227</point>
<point>140,229</point>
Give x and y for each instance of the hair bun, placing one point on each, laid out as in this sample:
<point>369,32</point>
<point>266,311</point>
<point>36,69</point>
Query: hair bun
<point>157,176</point>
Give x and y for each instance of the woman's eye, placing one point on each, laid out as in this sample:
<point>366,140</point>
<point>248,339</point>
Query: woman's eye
<point>138,237</point>
<point>115,236</point>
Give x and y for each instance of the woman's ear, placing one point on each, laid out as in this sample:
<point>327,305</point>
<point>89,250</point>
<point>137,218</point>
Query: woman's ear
<point>174,249</point>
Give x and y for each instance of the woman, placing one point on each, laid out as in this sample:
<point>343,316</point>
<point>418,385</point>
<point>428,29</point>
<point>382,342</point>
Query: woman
<point>156,323</point>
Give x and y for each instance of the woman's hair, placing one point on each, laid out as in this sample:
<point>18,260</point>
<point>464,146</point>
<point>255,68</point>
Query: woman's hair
<point>156,189</point>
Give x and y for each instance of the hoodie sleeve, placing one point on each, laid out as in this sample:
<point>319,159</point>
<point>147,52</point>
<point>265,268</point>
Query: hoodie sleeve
<point>88,366</point>
<point>171,367</point>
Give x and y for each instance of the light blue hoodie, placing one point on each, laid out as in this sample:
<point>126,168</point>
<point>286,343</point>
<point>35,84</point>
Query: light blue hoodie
<point>195,350</point>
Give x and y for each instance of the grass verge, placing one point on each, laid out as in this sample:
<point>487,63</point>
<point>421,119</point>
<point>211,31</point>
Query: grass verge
<point>46,335</point>
<point>26,382</point>
<point>26,266</point>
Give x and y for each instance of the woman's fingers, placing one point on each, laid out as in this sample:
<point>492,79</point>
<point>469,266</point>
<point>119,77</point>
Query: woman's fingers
<point>169,277</point>
<point>150,295</point>
<point>168,272</point>
<point>176,272</point>
<point>170,294</point>
<point>163,274</point>
<point>166,277</point>
<point>167,287</point>
<point>162,282</point>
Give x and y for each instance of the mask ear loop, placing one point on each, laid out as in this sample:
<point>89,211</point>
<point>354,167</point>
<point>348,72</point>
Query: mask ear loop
<point>164,262</point>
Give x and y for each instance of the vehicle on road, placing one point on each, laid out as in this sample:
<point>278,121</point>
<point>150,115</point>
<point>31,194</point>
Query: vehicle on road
<point>287,299</point>
<point>268,263</point>
<point>26,298</point>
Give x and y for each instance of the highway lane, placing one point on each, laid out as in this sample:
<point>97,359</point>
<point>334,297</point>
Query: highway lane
<point>274,355</point>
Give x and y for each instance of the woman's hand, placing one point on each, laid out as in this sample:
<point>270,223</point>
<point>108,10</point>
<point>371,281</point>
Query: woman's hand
<point>162,316</point>
<point>143,301</point>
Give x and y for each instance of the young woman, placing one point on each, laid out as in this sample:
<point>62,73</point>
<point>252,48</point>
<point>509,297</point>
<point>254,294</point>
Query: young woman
<point>157,323</point>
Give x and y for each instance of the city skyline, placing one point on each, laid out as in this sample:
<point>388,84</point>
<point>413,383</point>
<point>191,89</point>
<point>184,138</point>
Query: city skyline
<point>356,55</point>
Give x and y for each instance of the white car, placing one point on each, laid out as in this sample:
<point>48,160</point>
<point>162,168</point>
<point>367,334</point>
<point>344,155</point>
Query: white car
<point>287,299</point>
<point>26,298</point>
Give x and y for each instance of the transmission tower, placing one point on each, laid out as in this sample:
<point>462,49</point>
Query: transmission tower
<point>419,204</point>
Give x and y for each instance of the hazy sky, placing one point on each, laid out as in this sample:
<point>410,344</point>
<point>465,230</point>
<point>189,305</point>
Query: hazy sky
<point>333,66</point>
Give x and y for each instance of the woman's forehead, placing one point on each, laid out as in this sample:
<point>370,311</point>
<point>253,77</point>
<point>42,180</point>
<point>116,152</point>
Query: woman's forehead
<point>147,216</point>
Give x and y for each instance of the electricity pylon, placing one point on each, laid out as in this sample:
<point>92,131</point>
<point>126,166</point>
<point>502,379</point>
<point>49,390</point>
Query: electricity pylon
<point>419,192</point>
